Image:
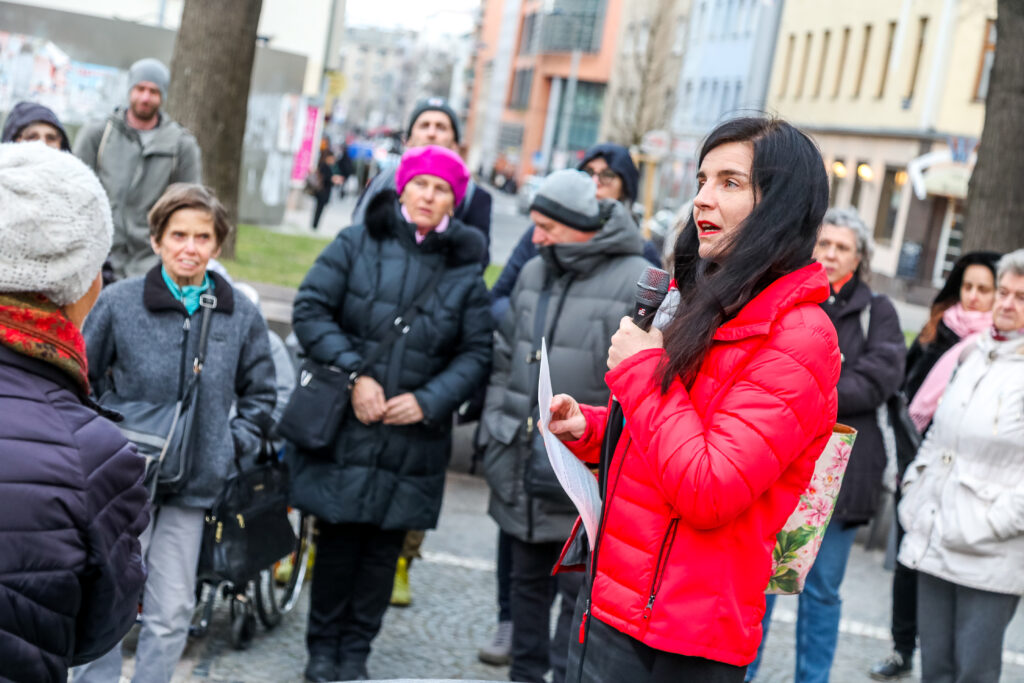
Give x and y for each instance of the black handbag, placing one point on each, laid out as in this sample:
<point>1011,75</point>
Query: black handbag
<point>247,530</point>
<point>164,433</point>
<point>313,416</point>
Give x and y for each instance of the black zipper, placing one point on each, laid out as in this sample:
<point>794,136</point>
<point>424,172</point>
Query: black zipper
<point>659,568</point>
<point>585,623</point>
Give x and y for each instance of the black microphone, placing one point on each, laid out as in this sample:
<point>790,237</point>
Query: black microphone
<point>651,289</point>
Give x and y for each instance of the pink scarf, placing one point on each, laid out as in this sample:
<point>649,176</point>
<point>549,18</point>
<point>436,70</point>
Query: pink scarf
<point>420,236</point>
<point>967,325</point>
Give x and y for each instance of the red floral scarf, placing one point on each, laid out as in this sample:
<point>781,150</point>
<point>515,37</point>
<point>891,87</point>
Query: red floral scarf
<point>36,327</point>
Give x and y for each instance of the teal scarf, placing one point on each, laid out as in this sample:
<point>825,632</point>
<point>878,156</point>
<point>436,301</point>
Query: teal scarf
<point>189,294</point>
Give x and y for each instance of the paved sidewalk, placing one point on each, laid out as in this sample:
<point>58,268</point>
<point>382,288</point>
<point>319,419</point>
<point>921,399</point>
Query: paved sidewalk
<point>453,612</point>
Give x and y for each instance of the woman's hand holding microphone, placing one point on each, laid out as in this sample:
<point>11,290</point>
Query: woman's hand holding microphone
<point>630,340</point>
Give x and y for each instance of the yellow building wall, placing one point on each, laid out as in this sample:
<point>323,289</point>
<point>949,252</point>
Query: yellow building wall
<point>808,87</point>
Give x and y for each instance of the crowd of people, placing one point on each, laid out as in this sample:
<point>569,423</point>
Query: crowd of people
<point>703,431</point>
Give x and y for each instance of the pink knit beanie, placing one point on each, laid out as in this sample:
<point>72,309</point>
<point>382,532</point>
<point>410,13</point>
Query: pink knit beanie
<point>435,161</point>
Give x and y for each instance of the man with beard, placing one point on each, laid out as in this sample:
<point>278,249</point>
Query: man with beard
<point>137,153</point>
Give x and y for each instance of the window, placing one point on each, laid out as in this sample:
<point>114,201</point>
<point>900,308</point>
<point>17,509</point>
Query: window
<point>844,46</point>
<point>803,66</point>
<point>643,36</point>
<point>526,34</point>
<point>586,115</point>
<point>885,64</point>
<point>712,102</point>
<point>835,181</point>
<point>790,46</point>
<point>522,82</point>
<point>736,102</point>
<point>724,107</point>
<point>863,63</point>
<point>858,184</point>
<point>921,32</point>
<point>889,203</point>
<point>988,53</point>
<point>679,39</point>
<point>824,61</point>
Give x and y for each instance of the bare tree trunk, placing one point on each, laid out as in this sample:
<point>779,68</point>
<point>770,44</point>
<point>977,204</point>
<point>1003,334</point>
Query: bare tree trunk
<point>995,202</point>
<point>210,74</point>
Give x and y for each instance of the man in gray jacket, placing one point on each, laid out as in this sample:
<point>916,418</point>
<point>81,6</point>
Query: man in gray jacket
<point>137,152</point>
<point>573,295</point>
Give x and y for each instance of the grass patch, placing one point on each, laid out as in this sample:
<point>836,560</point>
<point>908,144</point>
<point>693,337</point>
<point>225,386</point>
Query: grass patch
<point>276,258</point>
<point>263,255</point>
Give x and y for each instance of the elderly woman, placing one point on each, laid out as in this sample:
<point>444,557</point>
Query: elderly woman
<point>385,471</point>
<point>72,504</point>
<point>137,336</point>
<point>872,371</point>
<point>963,500</point>
<point>961,309</point>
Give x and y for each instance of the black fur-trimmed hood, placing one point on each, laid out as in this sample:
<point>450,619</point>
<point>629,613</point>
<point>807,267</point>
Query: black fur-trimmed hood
<point>460,244</point>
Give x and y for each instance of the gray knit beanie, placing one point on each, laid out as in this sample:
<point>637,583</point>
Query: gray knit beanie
<point>152,71</point>
<point>569,197</point>
<point>55,226</point>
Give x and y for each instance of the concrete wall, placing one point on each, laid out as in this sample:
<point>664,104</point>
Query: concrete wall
<point>300,27</point>
<point>265,173</point>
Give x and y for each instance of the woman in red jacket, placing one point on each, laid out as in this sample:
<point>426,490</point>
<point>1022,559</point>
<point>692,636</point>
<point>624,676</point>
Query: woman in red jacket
<point>724,413</point>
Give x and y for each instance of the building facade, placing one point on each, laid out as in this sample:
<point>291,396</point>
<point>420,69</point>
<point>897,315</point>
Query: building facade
<point>311,28</point>
<point>893,93</point>
<point>729,48</point>
<point>649,58</point>
<point>542,73</point>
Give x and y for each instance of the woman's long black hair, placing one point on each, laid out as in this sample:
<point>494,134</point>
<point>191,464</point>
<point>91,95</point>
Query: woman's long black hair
<point>791,195</point>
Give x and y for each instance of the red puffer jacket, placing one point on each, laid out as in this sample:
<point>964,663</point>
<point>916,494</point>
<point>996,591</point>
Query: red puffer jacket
<point>703,479</point>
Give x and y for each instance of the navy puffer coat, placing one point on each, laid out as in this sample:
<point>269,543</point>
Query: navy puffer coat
<point>392,476</point>
<point>71,509</point>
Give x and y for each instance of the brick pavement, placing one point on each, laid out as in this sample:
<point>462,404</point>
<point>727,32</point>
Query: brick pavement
<point>453,613</point>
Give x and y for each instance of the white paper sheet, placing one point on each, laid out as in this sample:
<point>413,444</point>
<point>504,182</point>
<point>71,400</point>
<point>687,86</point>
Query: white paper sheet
<point>577,480</point>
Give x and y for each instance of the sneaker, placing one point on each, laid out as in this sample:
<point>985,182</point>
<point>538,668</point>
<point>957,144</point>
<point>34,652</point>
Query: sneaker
<point>497,651</point>
<point>401,595</point>
<point>892,668</point>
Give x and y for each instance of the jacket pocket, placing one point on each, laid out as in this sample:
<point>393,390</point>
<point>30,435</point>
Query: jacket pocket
<point>501,454</point>
<point>963,512</point>
<point>664,552</point>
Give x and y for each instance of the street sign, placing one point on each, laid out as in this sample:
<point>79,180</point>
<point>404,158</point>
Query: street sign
<point>656,143</point>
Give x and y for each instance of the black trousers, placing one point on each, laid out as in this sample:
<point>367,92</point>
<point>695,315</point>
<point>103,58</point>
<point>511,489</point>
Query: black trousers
<point>352,582</point>
<point>504,576</point>
<point>321,202</point>
<point>904,600</point>
<point>531,593</point>
<point>609,655</point>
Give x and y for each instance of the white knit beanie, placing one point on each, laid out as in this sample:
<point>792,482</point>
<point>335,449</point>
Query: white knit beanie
<point>55,225</point>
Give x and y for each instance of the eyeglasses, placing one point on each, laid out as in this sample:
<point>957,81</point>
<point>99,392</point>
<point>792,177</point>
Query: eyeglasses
<point>605,177</point>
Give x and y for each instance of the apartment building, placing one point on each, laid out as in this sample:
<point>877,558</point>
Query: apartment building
<point>649,56</point>
<point>729,48</point>
<point>894,94</point>
<point>542,65</point>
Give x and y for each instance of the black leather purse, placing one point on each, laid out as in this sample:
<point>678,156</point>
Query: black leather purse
<point>314,413</point>
<point>248,529</point>
<point>165,433</point>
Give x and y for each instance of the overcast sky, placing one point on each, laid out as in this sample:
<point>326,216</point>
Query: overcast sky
<point>447,16</point>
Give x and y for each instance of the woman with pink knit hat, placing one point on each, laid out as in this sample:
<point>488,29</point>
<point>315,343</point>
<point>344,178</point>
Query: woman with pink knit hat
<point>414,269</point>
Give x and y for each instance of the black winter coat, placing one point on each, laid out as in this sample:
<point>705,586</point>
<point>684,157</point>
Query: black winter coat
<point>872,371</point>
<point>922,357</point>
<point>392,476</point>
<point>72,506</point>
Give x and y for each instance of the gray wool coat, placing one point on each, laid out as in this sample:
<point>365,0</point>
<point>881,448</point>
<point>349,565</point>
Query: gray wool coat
<point>134,340</point>
<point>589,286</point>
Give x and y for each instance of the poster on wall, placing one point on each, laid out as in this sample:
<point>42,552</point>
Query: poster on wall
<point>93,90</point>
<point>32,69</point>
<point>305,157</point>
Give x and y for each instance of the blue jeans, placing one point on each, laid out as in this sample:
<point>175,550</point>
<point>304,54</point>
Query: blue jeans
<point>819,609</point>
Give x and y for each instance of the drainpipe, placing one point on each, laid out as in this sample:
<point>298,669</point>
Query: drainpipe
<point>940,65</point>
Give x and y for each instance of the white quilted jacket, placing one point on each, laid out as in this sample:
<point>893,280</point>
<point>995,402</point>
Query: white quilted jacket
<point>963,495</point>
